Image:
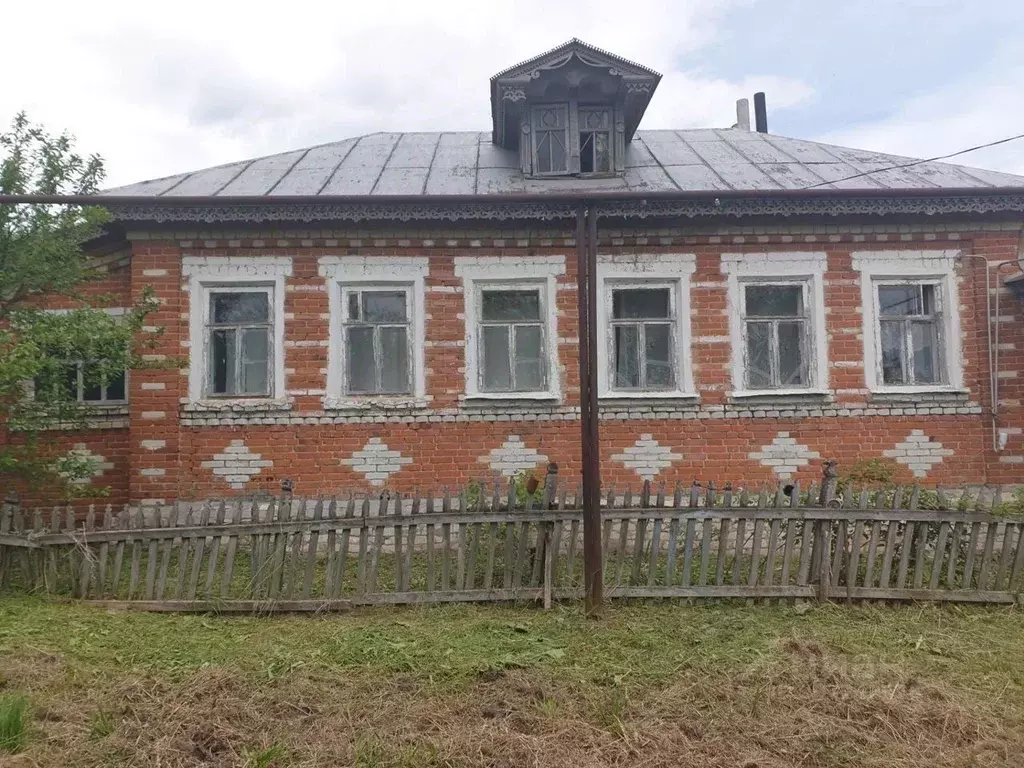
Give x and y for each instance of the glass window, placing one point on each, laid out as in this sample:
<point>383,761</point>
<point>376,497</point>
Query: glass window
<point>595,140</point>
<point>643,339</point>
<point>80,382</point>
<point>240,356</point>
<point>908,333</point>
<point>776,336</point>
<point>551,139</point>
<point>377,337</point>
<point>512,341</point>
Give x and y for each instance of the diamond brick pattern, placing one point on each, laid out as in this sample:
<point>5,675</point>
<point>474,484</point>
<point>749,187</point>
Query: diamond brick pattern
<point>237,465</point>
<point>376,462</point>
<point>80,451</point>
<point>513,457</point>
<point>918,452</point>
<point>647,457</point>
<point>784,455</point>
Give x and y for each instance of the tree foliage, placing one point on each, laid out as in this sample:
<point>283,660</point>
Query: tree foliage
<point>47,357</point>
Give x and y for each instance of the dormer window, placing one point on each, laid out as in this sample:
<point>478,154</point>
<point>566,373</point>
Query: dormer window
<point>556,146</point>
<point>571,111</point>
<point>551,139</point>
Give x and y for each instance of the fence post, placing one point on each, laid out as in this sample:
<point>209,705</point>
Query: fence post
<point>10,506</point>
<point>829,483</point>
<point>550,494</point>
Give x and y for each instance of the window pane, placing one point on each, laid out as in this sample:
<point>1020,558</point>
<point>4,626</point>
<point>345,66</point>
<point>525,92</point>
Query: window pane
<point>899,299</point>
<point>222,354</point>
<point>774,301</point>
<point>255,355</point>
<point>892,352</point>
<point>384,307</point>
<point>759,371</point>
<point>362,371</point>
<point>239,307</point>
<point>640,303</point>
<point>791,355</point>
<point>925,352</point>
<point>116,388</point>
<point>602,152</point>
<point>497,372</point>
<point>658,355</point>
<point>543,152</point>
<point>586,152</point>
<point>510,306</point>
<point>92,387</point>
<point>529,359</point>
<point>353,306</point>
<point>627,357</point>
<point>394,364</point>
<point>928,299</point>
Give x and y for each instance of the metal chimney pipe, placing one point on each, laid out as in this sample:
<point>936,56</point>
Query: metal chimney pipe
<point>760,113</point>
<point>743,114</point>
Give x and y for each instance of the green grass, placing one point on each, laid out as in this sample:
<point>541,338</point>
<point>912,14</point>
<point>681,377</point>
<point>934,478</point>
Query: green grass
<point>13,727</point>
<point>470,685</point>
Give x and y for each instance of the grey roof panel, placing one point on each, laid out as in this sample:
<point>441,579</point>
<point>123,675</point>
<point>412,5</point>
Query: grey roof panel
<point>262,175</point>
<point>208,182</point>
<point>695,177</point>
<point>414,150</point>
<point>667,149</point>
<point>314,169</point>
<point>359,171</point>
<point>466,163</point>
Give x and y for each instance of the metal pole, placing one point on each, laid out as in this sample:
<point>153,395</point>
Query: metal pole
<point>586,281</point>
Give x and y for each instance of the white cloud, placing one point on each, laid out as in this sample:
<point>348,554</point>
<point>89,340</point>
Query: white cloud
<point>956,116</point>
<point>160,89</point>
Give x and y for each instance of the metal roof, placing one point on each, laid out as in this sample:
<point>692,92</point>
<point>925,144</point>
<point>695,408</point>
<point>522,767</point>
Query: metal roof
<point>467,163</point>
<point>569,45</point>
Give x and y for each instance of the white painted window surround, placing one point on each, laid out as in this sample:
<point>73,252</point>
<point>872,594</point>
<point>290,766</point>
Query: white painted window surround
<point>511,272</point>
<point>660,270</point>
<point>407,272</point>
<point>804,267</point>
<point>204,274</point>
<point>937,267</point>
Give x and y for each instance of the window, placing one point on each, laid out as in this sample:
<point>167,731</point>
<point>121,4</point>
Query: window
<point>908,331</point>
<point>511,341</point>
<point>236,327</point>
<point>645,313</point>
<point>376,341</point>
<point>911,326</point>
<point>76,382</point>
<point>775,336</point>
<point>777,323</point>
<point>642,339</point>
<point>511,326</point>
<point>239,346</point>
<point>595,140</point>
<point>551,139</point>
<point>376,353</point>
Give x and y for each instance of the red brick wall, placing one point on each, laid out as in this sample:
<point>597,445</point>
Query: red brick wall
<point>168,445</point>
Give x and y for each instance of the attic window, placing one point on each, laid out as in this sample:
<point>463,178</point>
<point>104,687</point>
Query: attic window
<point>595,141</point>
<point>551,139</point>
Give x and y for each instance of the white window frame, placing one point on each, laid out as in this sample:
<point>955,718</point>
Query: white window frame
<point>209,327</point>
<point>658,270</point>
<point>937,267</point>
<point>363,273</point>
<point>511,273</point>
<point>218,274</point>
<point>790,268</point>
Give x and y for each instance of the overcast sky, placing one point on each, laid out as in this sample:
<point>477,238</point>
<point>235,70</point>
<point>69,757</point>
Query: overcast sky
<point>161,88</point>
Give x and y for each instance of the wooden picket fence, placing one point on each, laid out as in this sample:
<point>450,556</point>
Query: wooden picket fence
<point>504,544</point>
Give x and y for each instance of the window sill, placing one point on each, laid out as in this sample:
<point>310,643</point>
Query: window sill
<point>779,394</point>
<point>485,398</point>
<point>398,403</point>
<point>614,398</point>
<point>919,390</point>
<point>240,405</point>
<point>920,395</point>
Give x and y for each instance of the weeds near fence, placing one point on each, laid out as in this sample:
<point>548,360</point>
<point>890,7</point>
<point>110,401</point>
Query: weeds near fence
<point>13,727</point>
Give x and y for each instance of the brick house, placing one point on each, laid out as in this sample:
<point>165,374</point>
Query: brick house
<point>399,309</point>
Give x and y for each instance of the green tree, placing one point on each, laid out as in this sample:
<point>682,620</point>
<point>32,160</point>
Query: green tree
<point>46,358</point>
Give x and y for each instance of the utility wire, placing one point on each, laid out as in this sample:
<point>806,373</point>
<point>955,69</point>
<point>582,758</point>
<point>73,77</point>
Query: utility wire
<point>918,162</point>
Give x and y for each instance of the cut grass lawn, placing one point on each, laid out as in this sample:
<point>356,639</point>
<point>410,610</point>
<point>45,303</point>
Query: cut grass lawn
<point>653,684</point>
